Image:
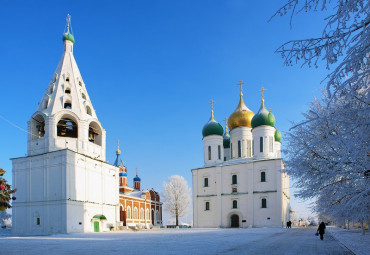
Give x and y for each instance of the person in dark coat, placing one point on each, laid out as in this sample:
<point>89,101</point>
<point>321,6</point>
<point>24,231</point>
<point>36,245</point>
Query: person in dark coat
<point>321,230</point>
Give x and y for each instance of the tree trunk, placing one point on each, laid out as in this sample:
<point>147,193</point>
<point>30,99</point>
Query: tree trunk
<point>177,219</point>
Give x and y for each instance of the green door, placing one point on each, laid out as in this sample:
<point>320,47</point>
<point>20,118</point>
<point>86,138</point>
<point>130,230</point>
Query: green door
<point>96,226</point>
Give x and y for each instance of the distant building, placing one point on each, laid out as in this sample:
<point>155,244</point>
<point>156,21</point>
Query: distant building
<point>137,207</point>
<point>243,182</point>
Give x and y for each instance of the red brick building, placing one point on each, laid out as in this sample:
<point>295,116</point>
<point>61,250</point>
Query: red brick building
<point>138,208</point>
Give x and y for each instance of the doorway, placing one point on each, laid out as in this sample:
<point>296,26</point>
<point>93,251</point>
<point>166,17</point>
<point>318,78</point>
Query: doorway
<point>234,221</point>
<point>96,226</point>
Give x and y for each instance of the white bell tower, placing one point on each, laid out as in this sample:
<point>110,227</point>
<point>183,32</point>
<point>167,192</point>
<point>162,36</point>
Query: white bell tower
<point>65,117</point>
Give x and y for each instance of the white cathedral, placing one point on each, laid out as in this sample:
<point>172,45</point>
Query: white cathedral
<point>64,184</point>
<point>243,182</point>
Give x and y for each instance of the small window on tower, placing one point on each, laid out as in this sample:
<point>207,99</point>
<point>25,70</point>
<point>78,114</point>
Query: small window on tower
<point>207,206</point>
<point>263,176</point>
<point>234,179</point>
<point>83,96</point>
<point>67,91</point>
<point>261,144</point>
<point>264,203</point>
<point>239,149</point>
<point>219,152</point>
<point>67,79</point>
<point>209,153</point>
<point>68,105</point>
<point>235,204</point>
<point>38,221</point>
<point>206,182</point>
<point>80,83</point>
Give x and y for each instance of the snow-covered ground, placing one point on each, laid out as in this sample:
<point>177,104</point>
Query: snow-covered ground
<point>186,241</point>
<point>352,239</point>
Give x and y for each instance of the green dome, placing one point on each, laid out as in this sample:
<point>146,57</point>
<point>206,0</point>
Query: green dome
<point>68,36</point>
<point>226,138</point>
<point>212,128</point>
<point>263,117</point>
<point>277,136</point>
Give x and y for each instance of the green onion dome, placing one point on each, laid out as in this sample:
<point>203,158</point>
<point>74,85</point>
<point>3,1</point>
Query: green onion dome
<point>263,117</point>
<point>277,136</point>
<point>226,138</point>
<point>68,36</point>
<point>212,127</point>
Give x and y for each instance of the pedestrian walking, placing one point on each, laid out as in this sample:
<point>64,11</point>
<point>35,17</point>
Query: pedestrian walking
<point>321,230</point>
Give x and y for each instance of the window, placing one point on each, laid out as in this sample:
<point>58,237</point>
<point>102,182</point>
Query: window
<point>207,206</point>
<point>261,144</point>
<point>264,203</point>
<point>80,83</point>
<point>234,190</point>
<point>271,143</point>
<point>142,213</point>
<point>263,176</point>
<point>235,204</point>
<point>129,212</point>
<point>135,213</point>
<point>67,79</point>
<point>219,152</point>
<point>38,221</point>
<point>88,110</point>
<point>67,91</point>
<point>51,89</point>
<point>239,149</point>
<point>83,96</point>
<point>206,182</point>
<point>38,127</point>
<point>249,149</point>
<point>68,105</point>
<point>67,128</point>
<point>231,150</point>
<point>234,179</point>
<point>95,133</point>
<point>209,152</point>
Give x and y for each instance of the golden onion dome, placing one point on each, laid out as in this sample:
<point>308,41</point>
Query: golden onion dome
<point>242,116</point>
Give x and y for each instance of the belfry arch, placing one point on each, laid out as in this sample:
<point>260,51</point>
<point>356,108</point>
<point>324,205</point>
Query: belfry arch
<point>95,133</point>
<point>37,126</point>
<point>67,127</point>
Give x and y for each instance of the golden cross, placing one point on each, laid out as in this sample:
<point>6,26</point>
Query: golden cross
<point>68,20</point>
<point>262,90</point>
<point>226,119</point>
<point>211,103</point>
<point>136,171</point>
<point>117,144</point>
<point>270,110</point>
<point>240,84</point>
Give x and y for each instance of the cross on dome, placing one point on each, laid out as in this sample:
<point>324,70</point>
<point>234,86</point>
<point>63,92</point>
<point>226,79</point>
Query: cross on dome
<point>241,84</point>
<point>211,103</point>
<point>262,90</point>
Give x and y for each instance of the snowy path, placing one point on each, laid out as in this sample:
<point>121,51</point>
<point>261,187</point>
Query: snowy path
<point>183,241</point>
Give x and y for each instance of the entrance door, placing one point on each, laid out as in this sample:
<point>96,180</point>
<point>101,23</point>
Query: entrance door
<point>152,217</point>
<point>234,221</point>
<point>96,226</point>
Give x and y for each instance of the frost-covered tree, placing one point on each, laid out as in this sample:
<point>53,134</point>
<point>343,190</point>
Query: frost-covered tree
<point>328,152</point>
<point>176,196</point>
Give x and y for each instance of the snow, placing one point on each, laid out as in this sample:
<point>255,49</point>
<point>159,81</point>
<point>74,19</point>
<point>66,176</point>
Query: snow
<point>352,239</point>
<point>188,241</point>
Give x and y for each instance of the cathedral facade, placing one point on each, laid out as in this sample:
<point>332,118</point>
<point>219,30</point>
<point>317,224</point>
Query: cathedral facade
<point>65,184</point>
<point>243,182</point>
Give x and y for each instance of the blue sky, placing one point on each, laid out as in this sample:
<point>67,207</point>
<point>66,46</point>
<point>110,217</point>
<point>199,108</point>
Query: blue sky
<point>150,68</point>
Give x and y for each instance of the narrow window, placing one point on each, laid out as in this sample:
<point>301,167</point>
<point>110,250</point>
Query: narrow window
<point>261,144</point>
<point>239,149</point>
<point>219,152</point>
<point>234,179</point>
<point>207,206</point>
<point>231,150</point>
<point>209,152</point>
<point>67,91</point>
<point>67,105</point>
<point>206,182</point>
<point>38,221</point>
<point>264,203</point>
<point>67,79</point>
<point>263,176</point>
<point>80,83</point>
<point>224,158</point>
<point>83,96</point>
<point>271,141</point>
<point>88,110</point>
<point>235,204</point>
<point>249,151</point>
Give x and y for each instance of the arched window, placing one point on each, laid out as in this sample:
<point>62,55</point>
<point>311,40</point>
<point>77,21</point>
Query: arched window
<point>136,213</point>
<point>95,133</point>
<point>142,213</point>
<point>263,176</point>
<point>68,105</point>
<point>261,144</point>
<point>45,103</point>
<point>67,79</point>
<point>209,153</point>
<point>234,179</point>
<point>219,152</point>
<point>239,149</point>
<point>83,96</point>
<point>263,203</point>
<point>66,127</point>
<point>80,83</point>
<point>235,204</point>
<point>67,91</point>
<point>88,110</point>
<point>128,212</point>
<point>37,127</point>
